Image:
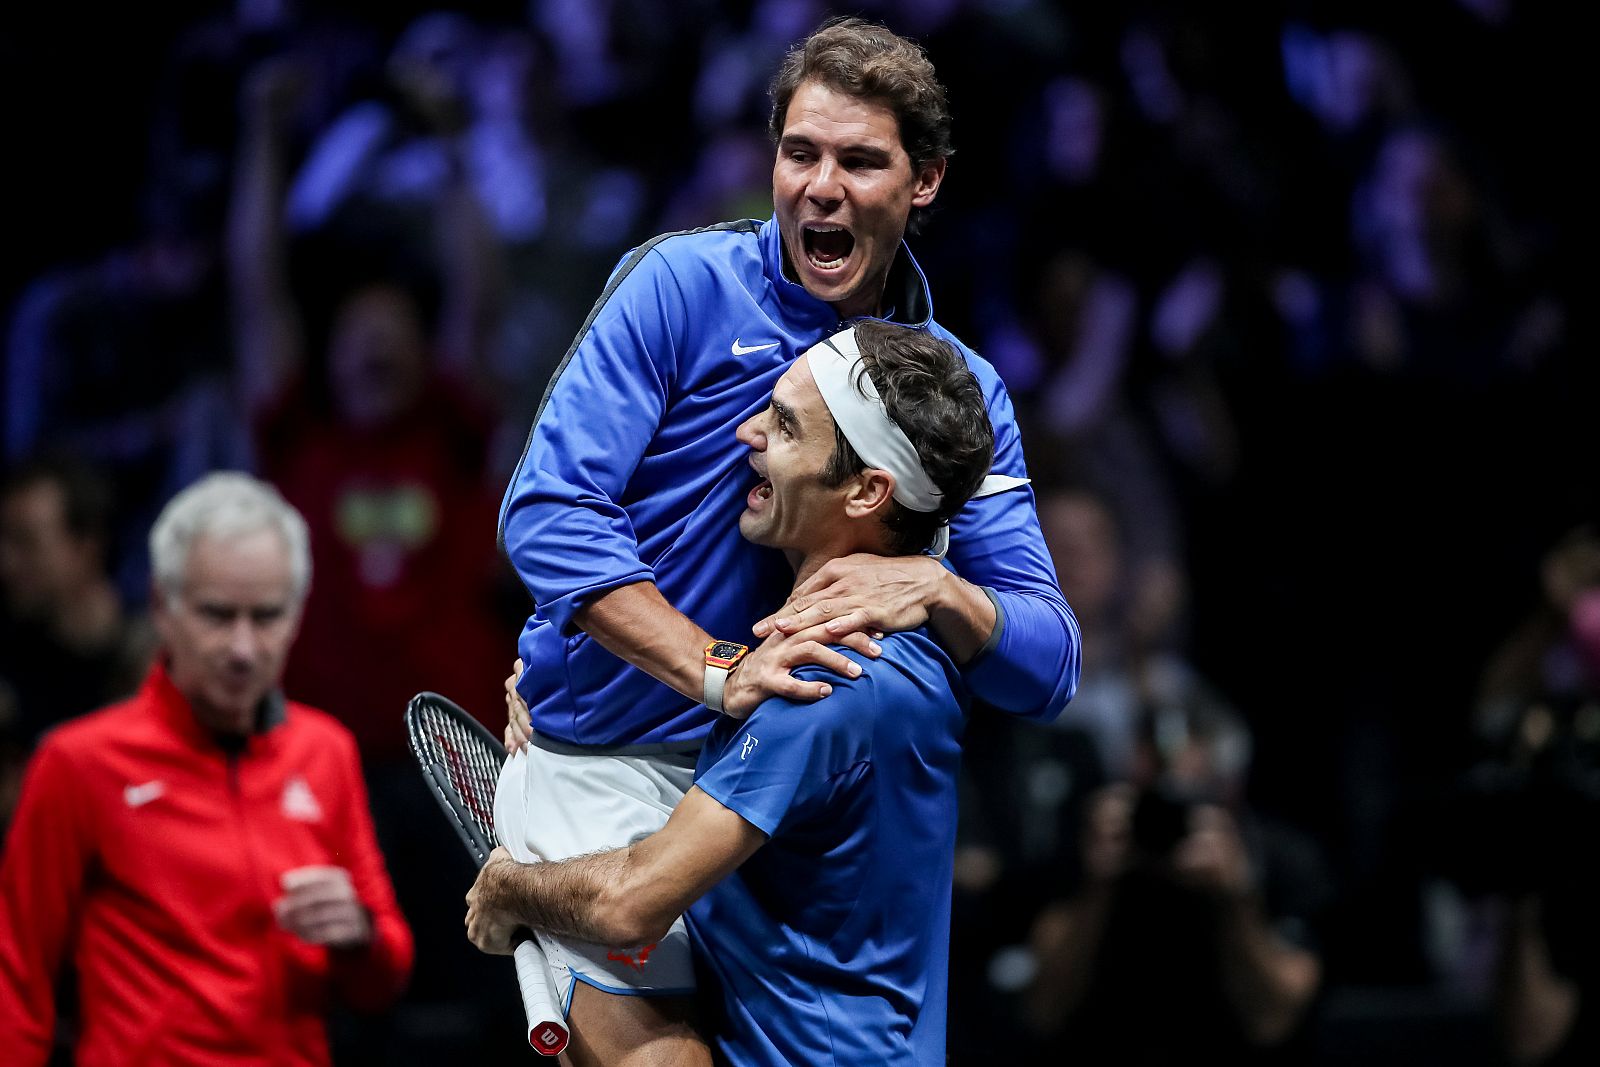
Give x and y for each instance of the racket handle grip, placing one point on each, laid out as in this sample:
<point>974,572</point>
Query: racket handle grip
<point>547,1030</point>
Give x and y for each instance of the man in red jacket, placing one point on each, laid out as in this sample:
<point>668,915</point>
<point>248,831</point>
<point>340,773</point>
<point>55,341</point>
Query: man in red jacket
<point>204,851</point>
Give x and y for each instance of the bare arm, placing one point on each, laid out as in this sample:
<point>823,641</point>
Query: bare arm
<point>1269,982</point>
<point>1535,1005</point>
<point>1066,937</point>
<point>265,323</point>
<point>1065,941</point>
<point>473,273</point>
<point>628,896</point>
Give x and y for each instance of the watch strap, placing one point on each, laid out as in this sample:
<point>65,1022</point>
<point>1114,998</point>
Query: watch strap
<point>716,682</point>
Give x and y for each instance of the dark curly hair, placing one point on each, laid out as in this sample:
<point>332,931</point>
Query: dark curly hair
<point>934,399</point>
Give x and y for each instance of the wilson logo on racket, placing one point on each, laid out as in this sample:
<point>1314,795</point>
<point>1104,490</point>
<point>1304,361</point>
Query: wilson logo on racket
<point>634,960</point>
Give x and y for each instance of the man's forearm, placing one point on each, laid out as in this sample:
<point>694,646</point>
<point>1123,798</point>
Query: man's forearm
<point>1066,940</point>
<point>1268,981</point>
<point>628,896</point>
<point>1535,1005</point>
<point>572,898</point>
<point>636,624</point>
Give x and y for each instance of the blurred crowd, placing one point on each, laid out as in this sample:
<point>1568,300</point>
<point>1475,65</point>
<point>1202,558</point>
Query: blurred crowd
<point>1283,296</point>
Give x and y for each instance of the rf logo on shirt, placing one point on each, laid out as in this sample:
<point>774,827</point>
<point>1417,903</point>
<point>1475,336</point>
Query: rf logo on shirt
<point>750,743</point>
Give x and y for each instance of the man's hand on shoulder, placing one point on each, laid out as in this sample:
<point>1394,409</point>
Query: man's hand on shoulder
<point>861,593</point>
<point>861,596</point>
<point>767,670</point>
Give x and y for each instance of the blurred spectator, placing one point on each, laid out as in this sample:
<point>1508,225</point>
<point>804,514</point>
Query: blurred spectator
<point>195,121</point>
<point>456,102</point>
<point>365,401</point>
<point>1074,355</point>
<point>122,363</point>
<point>1350,79</point>
<point>377,436</point>
<point>736,64</point>
<point>1546,981</point>
<point>1443,290</point>
<point>1190,935</point>
<point>1028,786</point>
<point>1514,836</point>
<point>203,851</point>
<point>67,645</point>
<point>1128,662</point>
<point>1555,653</point>
<point>732,179</point>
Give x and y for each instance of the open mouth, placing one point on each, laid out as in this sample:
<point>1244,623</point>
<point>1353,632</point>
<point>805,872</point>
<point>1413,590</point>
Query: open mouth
<point>827,247</point>
<point>760,494</point>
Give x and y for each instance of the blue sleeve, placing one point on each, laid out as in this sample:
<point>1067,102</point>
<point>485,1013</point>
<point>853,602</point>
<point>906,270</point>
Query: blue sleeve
<point>788,754</point>
<point>562,522</point>
<point>1030,666</point>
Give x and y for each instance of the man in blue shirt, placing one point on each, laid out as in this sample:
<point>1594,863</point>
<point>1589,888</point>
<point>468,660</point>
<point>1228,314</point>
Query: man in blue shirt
<point>816,844</point>
<point>619,518</point>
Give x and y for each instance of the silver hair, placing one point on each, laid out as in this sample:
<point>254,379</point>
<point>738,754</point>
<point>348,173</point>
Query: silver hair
<point>225,504</point>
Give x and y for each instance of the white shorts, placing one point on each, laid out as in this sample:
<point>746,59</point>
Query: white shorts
<point>553,806</point>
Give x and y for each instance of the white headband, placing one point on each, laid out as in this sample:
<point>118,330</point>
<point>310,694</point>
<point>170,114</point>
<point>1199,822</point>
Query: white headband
<point>858,410</point>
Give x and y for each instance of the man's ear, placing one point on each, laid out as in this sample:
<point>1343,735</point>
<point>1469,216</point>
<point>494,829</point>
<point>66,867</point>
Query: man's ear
<point>870,493</point>
<point>929,178</point>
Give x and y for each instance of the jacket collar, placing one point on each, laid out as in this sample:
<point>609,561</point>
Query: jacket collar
<point>176,713</point>
<point>906,293</point>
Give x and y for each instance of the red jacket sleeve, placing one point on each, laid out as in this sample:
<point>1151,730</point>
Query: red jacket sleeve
<point>372,978</point>
<point>47,855</point>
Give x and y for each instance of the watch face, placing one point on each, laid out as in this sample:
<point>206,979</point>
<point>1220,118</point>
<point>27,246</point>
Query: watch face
<point>724,650</point>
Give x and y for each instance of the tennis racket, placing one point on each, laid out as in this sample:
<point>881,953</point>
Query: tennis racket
<point>460,761</point>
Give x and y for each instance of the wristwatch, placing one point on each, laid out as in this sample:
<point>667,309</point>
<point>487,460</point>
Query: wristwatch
<point>721,658</point>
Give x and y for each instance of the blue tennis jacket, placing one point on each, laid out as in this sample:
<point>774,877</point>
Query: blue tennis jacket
<point>632,473</point>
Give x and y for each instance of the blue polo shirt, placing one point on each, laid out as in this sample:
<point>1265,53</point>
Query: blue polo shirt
<point>831,944</point>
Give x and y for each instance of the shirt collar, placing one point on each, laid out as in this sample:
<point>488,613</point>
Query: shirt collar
<point>906,292</point>
<point>176,712</point>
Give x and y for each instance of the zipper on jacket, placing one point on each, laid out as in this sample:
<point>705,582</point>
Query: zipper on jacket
<point>271,1007</point>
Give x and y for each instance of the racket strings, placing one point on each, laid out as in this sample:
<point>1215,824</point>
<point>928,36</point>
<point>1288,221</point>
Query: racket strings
<point>471,767</point>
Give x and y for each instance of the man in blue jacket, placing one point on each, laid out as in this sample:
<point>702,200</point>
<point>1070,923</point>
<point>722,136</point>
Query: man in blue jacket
<point>620,516</point>
<point>817,842</point>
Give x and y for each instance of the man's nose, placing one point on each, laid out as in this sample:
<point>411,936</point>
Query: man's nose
<point>824,187</point>
<point>752,432</point>
<point>244,638</point>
